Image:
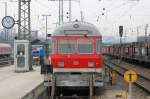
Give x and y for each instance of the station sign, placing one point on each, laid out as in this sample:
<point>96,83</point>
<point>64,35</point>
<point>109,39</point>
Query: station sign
<point>130,76</point>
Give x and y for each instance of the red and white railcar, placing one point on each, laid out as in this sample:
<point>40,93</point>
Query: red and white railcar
<point>5,49</point>
<point>76,55</point>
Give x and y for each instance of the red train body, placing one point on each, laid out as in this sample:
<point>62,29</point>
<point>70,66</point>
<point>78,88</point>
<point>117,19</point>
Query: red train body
<point>5,50</point>
<point>76,59</point>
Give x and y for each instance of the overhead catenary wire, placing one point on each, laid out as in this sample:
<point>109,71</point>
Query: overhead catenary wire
<point>124,14</point>
<point>43,5</point>
<point>121,15</point>
<point>130,17</point>
<point>112,9</point>
<point>118,7</point>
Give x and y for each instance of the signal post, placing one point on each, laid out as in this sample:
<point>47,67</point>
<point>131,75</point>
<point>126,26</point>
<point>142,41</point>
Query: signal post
<point>120,34</point>
<point>130,77</point>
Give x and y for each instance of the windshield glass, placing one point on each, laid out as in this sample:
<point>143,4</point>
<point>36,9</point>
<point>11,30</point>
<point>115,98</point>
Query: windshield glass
<point>67,46</point>
<point>85,46</point>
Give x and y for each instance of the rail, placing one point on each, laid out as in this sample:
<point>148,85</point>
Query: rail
<point>142,81</point>
<point>6,61</point>
<point>79,97</point>
<point>82,97</point>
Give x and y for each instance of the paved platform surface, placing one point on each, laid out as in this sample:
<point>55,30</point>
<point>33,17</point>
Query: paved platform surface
<point>16,85</point>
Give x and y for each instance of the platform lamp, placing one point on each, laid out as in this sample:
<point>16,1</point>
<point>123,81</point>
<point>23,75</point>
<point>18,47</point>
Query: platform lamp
<point>120,34</point>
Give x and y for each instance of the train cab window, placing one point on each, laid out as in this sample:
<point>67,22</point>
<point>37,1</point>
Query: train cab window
<point>126,50</point>
<point>85,46</point>
<point>67,46</point>
<point>98,46</point>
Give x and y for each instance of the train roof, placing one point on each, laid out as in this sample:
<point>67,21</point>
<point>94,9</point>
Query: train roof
<point>77,28</point>
<point>5,45</point>
<point>37,45</point>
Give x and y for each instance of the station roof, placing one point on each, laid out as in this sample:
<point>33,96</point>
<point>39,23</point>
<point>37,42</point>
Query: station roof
<point>38,42</point>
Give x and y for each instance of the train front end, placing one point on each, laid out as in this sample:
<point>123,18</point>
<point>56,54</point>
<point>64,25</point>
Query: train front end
<point>76,55</point>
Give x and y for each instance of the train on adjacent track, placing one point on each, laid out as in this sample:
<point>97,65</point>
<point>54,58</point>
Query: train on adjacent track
<point>5,50</point>
<point>75,56</point>
<point>38,51</point>
<point>135,51</point>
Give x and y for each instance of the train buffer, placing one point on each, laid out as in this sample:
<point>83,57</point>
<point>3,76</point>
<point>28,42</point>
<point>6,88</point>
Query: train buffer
<point>53,90</point>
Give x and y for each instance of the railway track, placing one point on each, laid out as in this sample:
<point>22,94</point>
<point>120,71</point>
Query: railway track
<point>83,97</point>
<point>143,81</point>
<point>73,97</point>
<point>80,97</point>
<point>6,61</point>
<point>131,62</point>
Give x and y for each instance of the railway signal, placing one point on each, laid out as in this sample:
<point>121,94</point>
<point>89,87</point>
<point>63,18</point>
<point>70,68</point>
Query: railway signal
<point>120,34</point>
<point>121,31</point>
<point>130,76</point>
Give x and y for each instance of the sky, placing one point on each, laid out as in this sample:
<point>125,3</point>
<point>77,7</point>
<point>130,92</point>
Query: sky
<point>132,14</point>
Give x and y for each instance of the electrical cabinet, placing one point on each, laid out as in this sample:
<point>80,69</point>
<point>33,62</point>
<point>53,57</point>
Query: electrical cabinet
<point>21,55</point>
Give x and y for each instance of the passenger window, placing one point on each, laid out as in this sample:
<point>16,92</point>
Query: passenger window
<point>148,51</point>
<point>143,51</point>
<point>137,51</point>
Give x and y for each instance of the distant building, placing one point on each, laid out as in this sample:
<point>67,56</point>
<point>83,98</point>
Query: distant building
<point>7,35</point>
<point>143,39</point>
<point>34,35</point>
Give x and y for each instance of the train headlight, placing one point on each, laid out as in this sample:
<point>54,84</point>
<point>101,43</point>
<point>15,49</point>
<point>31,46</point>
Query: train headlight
<point>91,64</point>
<point>61,64</point>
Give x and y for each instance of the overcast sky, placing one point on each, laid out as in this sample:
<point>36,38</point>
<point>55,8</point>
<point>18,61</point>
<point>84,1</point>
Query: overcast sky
<point>129,13</point>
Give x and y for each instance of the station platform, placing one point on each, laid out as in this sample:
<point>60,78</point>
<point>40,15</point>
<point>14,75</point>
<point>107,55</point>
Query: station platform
<point>16,85</point>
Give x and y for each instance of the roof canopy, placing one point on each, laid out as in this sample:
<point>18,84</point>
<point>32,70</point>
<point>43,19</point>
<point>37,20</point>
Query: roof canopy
<point>38,42</point>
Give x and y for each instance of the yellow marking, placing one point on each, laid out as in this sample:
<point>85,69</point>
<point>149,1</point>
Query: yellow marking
<point>121,95</point>
<point>130,76</point>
